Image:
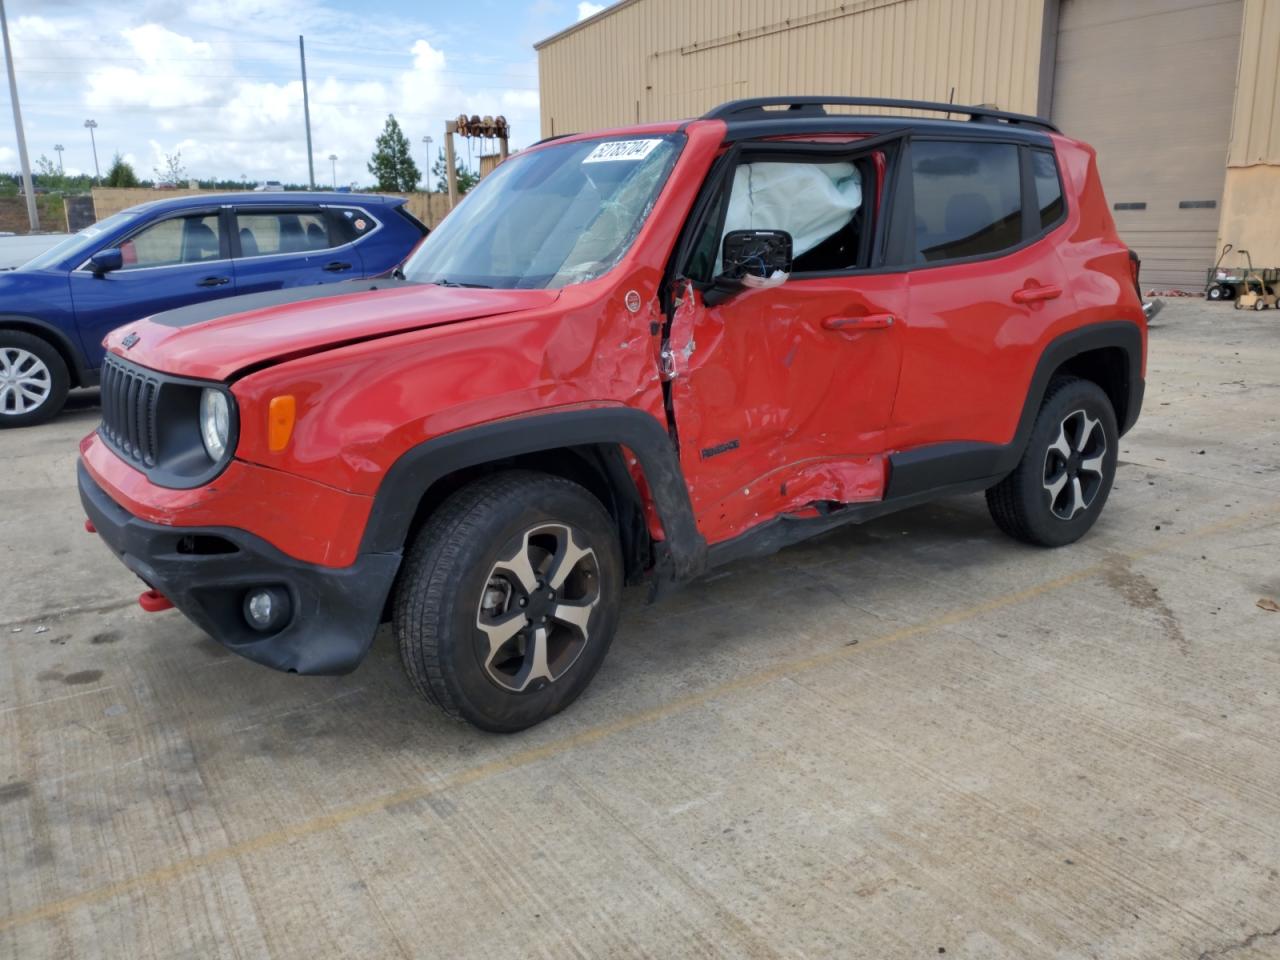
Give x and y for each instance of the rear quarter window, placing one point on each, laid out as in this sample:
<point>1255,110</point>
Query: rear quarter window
<point>967,199</point>
<point>1044,171</point>
<point>350,223</point>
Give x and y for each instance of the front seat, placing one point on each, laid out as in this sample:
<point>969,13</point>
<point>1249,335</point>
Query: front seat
<point>199,242</point>
<point>248,243</point>
<point>292,238</point>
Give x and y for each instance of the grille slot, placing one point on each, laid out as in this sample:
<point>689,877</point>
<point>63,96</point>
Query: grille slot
<point>129,400</point>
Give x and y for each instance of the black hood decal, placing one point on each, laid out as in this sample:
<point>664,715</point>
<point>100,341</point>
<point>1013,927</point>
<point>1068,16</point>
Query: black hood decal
<point>227,306</point>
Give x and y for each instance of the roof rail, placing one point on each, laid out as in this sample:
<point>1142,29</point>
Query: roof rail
<point>754,109</point>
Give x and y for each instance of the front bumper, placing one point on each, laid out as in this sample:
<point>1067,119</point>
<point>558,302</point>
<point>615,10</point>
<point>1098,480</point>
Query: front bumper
<point>206,572</point>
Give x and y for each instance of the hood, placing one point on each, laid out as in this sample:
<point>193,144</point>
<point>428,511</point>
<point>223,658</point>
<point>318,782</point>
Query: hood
<point>214,340</point>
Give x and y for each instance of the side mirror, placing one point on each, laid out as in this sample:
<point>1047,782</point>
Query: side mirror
<point>104,261</point>
<point>751,258</point>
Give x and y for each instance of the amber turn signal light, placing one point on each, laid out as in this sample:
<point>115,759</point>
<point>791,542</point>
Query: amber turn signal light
<point>280,416</point>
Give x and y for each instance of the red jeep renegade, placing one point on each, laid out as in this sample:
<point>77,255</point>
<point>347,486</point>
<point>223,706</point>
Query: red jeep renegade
<point>627,355</point>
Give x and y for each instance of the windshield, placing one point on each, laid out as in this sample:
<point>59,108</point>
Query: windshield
<point>79,243</point>
<point>553,217</point>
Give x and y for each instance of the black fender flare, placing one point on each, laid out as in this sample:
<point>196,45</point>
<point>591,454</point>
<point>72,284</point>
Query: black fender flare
<point>80,372</point>
<point>938,465</point>
<point>417,469</point>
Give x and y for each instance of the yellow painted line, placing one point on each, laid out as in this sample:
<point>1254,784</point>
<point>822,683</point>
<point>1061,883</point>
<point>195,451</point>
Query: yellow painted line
<point>524,758</point>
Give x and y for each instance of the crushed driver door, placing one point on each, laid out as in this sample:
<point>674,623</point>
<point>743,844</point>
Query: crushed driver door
<point>780,396</point>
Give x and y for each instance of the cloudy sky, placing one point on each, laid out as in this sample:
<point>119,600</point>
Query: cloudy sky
<point>218,80</point>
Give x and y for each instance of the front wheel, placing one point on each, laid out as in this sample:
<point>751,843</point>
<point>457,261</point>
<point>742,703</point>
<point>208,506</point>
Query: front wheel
<point>1215,292</point>
<point>33,379</point>
<point>1060,485</point>
<point>508,599</point>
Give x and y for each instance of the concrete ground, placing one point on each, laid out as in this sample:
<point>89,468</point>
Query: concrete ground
<point>899,740</point>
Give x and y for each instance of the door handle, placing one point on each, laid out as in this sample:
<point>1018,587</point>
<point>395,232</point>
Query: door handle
<point>876,321</point>
<point>1032,294</point>
<point>213,281</point>
<point>337,265</point>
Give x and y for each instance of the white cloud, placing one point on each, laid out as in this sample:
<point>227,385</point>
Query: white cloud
<point>226,94</point>
<point>589,9</point>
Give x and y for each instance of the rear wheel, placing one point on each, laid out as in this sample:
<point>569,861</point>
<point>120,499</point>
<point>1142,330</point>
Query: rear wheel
<point>33,379</point>
<point>1059,487</point>
<point>508,599</point>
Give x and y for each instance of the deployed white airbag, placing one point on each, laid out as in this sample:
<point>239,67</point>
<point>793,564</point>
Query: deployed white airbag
<point>809,201</point>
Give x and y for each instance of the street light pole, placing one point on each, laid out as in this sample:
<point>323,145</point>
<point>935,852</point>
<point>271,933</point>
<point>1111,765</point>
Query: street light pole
<point>92,125</point>
<point>306,112</point>
<point>426,173</point>
<point>33,216</point>
<point>333,160</point>
<point>58,148</point>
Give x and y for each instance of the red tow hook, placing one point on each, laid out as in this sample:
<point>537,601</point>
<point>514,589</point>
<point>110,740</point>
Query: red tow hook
<point>153,601</point>
<point>89,527</point>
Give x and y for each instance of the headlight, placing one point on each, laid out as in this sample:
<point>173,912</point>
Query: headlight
<point>215,423</point>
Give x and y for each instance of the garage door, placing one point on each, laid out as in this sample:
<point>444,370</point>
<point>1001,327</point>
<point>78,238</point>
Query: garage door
<point>1149,83</point>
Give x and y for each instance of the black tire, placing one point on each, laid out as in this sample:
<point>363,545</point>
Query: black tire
<point>453,571</point>
<point>1022,504</point>
<point>46,372</point>
<point>1215,292</point>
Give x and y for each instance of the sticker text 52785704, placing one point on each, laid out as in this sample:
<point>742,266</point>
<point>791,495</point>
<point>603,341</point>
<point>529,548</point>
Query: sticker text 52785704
<point>612,150</point>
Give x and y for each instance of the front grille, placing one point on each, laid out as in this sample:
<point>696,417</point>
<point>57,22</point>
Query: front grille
<point>130,397</point>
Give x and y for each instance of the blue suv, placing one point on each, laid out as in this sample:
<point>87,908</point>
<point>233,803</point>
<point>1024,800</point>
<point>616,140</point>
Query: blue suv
<point>55,310</point>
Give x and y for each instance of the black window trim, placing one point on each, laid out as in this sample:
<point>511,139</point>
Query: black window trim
<point>324,210</point>
<point>799,151</point>
<point>905,205</point>
<point>893,249</point>
<point>224,249</point>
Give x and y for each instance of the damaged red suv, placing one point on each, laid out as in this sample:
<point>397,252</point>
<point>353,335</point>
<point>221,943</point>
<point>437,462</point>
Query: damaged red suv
<point>626,356</point>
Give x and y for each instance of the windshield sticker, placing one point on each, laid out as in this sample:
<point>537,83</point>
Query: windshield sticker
<point>612,150</point>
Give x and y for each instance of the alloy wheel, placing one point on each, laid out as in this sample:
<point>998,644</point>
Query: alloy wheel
<point>25,381</point>
<point>1073,464</point>
<point>535,609</point>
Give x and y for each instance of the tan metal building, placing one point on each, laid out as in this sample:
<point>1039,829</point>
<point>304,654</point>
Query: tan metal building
<point>1181,98</point>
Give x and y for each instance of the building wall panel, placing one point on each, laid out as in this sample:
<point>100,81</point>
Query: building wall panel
<point>1255,135</point>
<point>670,59</point>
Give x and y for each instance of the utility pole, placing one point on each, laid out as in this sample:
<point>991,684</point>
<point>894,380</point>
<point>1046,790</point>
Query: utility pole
<point>306,112</point>
<point>450,163</point>
<point>58,149</point>
<point>92,125</point>
<point>426,171</point>
<point>33,215</point>
<point>333,160</point>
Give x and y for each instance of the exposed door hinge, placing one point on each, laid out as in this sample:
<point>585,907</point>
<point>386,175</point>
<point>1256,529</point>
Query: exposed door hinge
<point>668,365</point>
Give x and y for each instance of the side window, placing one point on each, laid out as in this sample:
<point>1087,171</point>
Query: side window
<point>350,224</point>
<point>1044,169</point>
<point>819,204</point>
<point>263,233</point>
<point>968,198</point>
<point>177,240</point>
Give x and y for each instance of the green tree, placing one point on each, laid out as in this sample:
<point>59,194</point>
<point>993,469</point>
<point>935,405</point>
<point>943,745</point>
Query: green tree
<point>466,179</point>
<point>120,173</point>
<point>391,164</point>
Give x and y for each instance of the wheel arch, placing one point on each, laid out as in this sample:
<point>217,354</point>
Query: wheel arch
<point>71,355</point>
<point>584,445</point>
<point>1109,354</point>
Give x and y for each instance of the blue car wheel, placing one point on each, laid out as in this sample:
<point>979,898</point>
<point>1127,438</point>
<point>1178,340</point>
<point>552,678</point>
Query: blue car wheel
<point>33,379</point>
